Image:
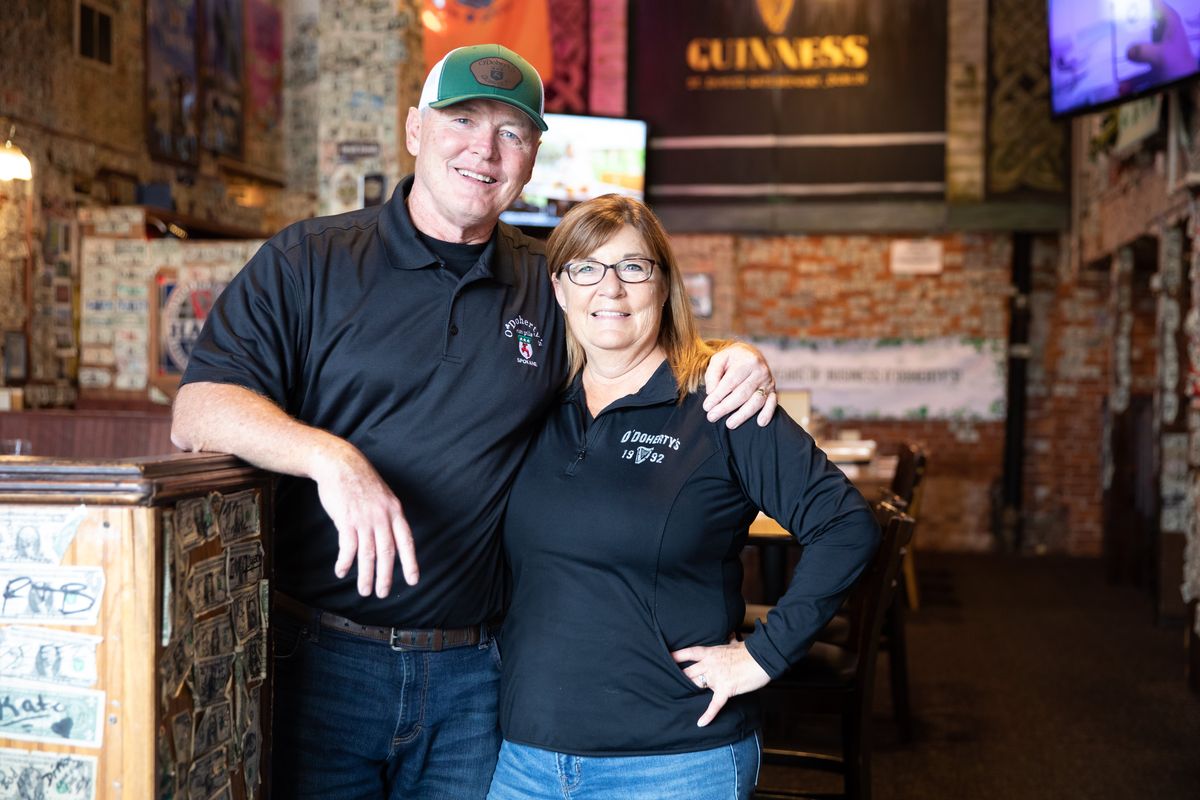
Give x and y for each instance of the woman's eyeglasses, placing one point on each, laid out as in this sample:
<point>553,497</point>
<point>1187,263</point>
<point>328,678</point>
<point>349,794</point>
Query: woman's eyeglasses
<point>589,272</point>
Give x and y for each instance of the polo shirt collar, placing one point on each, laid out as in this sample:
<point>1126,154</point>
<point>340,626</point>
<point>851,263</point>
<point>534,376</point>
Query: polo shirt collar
<point>661,388</point>
<point>405,250</point>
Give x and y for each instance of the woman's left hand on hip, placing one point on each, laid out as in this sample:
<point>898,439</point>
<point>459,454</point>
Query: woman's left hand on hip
<point>726,670</point>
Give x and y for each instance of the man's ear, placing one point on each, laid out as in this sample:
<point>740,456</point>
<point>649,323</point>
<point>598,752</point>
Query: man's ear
<point>412,131</point>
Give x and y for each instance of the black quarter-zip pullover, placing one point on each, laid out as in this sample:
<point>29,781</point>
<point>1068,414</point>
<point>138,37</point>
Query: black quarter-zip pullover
<point>624,536</point>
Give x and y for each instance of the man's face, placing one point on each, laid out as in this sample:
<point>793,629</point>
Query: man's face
<point>473,159</point>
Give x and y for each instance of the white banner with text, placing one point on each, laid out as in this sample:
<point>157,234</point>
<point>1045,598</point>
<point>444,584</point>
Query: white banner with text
<point>945,378</point>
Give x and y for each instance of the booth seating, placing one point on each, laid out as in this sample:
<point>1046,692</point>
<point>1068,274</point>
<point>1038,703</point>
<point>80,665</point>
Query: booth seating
<point>839,679</point>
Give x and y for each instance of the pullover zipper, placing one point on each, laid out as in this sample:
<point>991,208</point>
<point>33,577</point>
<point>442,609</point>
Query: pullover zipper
<point>581,452</point>
<point>579,455</point>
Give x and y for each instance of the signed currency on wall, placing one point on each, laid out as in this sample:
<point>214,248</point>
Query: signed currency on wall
<point>245,565</point>
<point>40,534</point>
<point>26,774</point>
<point>208,774</point>
<point>247,616</point>
<point>216,648</point>
<point>210,678</point>
<point>42,712</point>
<point>215,728</point>
<point>44,654</point>
<point>213,638</point>
<point>182,735</point>
<point>51,595</point>
<point>194,522</point>
<point>206,588</point>
<point>238,516</point>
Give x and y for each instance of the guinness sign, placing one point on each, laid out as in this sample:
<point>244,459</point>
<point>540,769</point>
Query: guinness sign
<point>778,97</point>
<point>775,13</point>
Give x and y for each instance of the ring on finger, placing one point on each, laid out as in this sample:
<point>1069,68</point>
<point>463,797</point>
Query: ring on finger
<point>702,681</point>
<point>762,391</point>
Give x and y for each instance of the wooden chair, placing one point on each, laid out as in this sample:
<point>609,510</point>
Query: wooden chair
<point>840,678</point>
<point>908,486</point>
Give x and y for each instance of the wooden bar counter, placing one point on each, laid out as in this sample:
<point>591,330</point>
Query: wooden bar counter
<point>133,627</point>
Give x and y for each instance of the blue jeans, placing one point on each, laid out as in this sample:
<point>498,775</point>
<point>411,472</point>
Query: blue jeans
<point>728,772</point>
<point>356,719</point>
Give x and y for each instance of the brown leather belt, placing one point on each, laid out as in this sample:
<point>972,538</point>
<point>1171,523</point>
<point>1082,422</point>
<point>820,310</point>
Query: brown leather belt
<point>434,639</point>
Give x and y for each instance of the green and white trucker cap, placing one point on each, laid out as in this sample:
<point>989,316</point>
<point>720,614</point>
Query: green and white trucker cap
<point>487,71</point>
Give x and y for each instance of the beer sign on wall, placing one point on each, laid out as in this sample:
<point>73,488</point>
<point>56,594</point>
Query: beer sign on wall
<point>783,98</point>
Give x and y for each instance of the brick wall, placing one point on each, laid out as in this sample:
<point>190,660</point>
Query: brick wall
<point>840,287</point>
<point>1069,377</point>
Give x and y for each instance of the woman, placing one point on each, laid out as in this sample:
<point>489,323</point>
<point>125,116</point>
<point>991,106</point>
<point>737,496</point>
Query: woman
<point>621,678</point>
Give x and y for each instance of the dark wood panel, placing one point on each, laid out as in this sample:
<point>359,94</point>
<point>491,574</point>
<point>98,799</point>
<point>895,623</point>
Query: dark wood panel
<point>91,434</point>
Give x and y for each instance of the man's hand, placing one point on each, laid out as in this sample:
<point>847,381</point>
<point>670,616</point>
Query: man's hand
<point>739,381</point>
<point>370,523</point>
<point>726,671</point>
<point>223,418</point>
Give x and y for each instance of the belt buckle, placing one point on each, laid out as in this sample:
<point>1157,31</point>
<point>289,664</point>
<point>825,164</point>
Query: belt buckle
<point>401,639</point>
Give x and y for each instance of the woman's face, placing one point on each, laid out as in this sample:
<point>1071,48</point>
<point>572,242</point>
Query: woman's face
<point>612,315</point>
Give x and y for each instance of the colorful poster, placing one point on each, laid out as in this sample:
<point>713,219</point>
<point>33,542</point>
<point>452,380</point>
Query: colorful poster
<point>520,25</point>
<point>221,72</point>
<point>894,379</point>
<point>264,84</point>
<point>182,309</point>
<point>172,113</point>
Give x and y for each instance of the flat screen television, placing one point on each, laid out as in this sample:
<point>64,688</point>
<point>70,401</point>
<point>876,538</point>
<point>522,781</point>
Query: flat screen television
<point>1108,51</point>
<point>581,157</point>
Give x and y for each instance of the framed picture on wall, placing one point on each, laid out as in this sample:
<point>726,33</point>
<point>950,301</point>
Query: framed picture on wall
<point>264,84</point>
<point>15,357</point>
<point>177,313</point>
<point>222,77</point>
<point>121,187</point>
<point>172,110</point>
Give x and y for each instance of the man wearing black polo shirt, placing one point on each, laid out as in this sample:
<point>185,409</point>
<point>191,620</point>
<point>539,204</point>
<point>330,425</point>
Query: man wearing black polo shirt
<point>401,351</point>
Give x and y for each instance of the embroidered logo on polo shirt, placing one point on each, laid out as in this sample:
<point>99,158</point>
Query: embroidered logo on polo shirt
<point>527,337</point>
<point>642,453</point>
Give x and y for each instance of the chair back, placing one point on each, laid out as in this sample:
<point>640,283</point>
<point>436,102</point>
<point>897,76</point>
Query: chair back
<point>868,601</point>
<point>910,469</point>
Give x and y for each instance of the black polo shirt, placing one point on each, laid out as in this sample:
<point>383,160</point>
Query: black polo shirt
<point>624,537</point>
<point>350,324</point>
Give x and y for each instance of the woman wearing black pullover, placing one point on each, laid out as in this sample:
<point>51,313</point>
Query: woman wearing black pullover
<point>621,677</point>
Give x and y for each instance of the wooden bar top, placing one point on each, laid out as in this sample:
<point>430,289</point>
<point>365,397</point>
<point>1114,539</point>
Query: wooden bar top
<point>129,481</point>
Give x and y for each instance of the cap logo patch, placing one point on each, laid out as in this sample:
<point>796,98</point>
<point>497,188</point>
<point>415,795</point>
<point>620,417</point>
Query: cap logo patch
<point>497,72</point>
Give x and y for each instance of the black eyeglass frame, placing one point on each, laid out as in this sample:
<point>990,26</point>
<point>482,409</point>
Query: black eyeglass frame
<point>649,273</point>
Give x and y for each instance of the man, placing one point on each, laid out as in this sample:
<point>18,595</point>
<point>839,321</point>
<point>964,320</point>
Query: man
<point>403,351</point>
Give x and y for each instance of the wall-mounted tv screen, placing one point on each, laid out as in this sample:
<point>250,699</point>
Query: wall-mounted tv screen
<point>1108,51</point>
<point>581,157</point>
